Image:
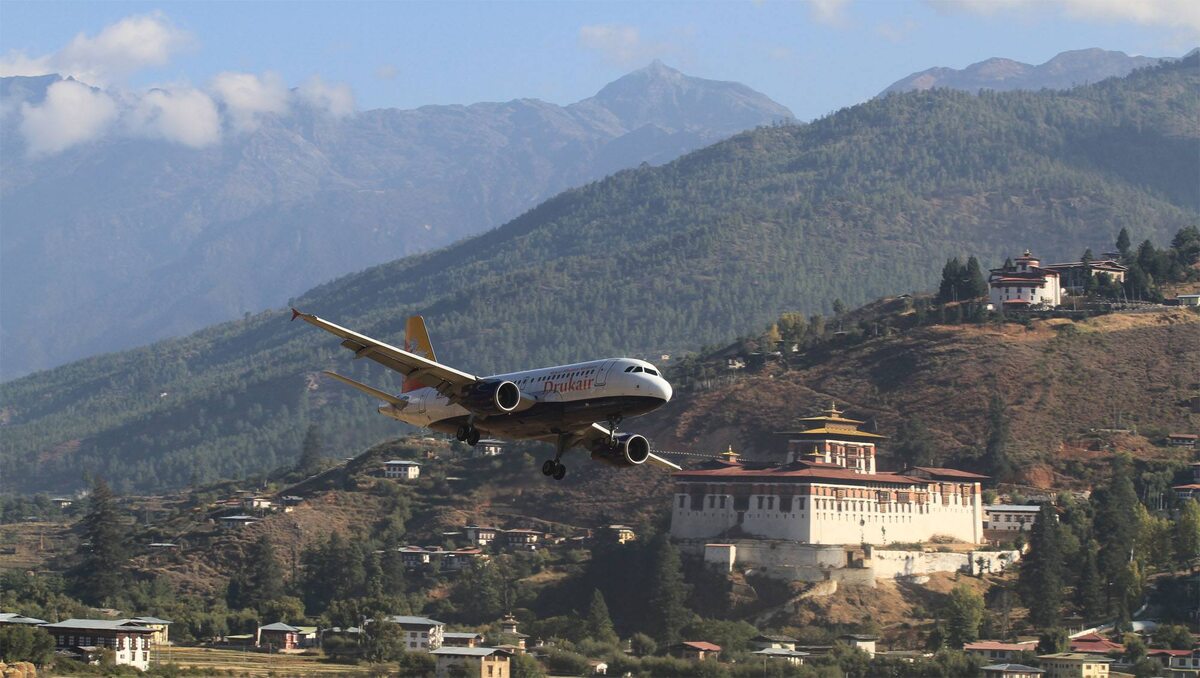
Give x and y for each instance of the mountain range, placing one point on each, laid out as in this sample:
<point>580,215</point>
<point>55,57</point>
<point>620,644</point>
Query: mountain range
<point>650,261</point>
<point>1065,70</point>
<point>126,240</point>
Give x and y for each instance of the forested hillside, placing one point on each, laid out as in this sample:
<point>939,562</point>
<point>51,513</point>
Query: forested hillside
<point>866,202</point>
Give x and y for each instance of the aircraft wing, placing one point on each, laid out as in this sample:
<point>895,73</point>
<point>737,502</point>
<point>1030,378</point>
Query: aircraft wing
<point>597,435</point>
<point>444,378</point>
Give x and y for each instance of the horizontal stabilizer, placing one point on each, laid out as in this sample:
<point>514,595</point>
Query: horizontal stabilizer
<point>662,463</point>
<point>369,390</point>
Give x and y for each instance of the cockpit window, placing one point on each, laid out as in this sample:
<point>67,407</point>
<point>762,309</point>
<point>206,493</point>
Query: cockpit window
<point>651,370</point>
<point>629,369</point>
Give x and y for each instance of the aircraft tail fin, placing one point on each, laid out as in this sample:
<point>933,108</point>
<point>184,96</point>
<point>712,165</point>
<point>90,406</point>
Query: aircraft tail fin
<point>416,340</point>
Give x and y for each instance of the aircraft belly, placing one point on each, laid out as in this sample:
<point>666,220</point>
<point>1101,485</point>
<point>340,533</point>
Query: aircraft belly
<point>547,418</point>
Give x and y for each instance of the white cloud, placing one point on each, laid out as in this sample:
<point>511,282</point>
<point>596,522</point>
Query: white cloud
<point>186,116</point>
<point>71,114</point>
<point>128,46</point>
<point>247,97</point>
<point>1180,14</point>
<point>828,11</point>
<point>335,99</point>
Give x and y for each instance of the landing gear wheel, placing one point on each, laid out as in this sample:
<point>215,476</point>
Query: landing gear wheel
<point>560,472</point>
<point>549,467</point>
<point>461,433</point>
<point>473,437</point>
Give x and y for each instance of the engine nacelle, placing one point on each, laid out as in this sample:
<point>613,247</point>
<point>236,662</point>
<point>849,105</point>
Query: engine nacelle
<point>631,449</point>
<point>494,397</point>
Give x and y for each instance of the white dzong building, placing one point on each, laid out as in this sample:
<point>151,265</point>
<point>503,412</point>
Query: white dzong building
<point>828,491</point>
<point>1025,284</point>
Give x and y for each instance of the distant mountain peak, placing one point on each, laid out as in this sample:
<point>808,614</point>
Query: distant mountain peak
<point>1064,70</point>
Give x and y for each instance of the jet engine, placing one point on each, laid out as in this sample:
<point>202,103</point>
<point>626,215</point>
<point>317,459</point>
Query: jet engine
<point>630,449</point>
<point>493,397</point>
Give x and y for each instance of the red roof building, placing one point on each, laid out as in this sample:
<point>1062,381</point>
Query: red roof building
<point>1024,283</point>
<point>696,650</point>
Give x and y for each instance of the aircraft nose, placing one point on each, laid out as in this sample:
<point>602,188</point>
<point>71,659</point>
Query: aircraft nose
<point>664,388</point>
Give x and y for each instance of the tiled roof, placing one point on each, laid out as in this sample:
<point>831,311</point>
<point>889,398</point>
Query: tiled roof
<point>949,472</point>
<point>279,626</point>
<point>701,645</point>
<point>999,646</point>
<point>468,651</point>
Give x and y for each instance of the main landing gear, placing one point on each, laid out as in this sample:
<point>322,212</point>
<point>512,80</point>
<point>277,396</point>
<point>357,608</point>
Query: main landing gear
<point>553,467</point>
<point>468,434</point>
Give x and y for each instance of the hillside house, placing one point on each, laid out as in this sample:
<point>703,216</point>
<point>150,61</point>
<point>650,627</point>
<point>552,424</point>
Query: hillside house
<point>277,636</point>
<point>161,628</point>
<point>481,535</point>
<point>1073,276</point>
<point>1094,643</point>
<point>1026,284</point>
<point>794,657</point>
<point>473,662</point>
<point>257,503</point>
<point>1182,439</point>
<point>461,639</point>
<point>1074,665</point>
<point>1188,299</point>
<point>1010,517</point>
<point>765,642</point>
<point>489,447</point>
<point>420,633</point>
<point>619,534</point>
<point>401,469</point>
<point>696,650</point>
<point>236,522</point>
<point>62,502</point>
<point>86,637</point>
<point>14,618</point>
<point>860,641</point>
<point>827,492</point>
<point>1011,671</point>
<point>1178,662</point>
<point>420,557</point>
<point>999,651</point>
<point>521,539</point>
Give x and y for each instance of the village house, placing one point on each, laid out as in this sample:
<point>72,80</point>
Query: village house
<point>481,535</point>
<point>696,650</point>
<point>1074,665</point>
<point>765,642</point>
<point>236,522</point>
<point>1094,643</point>
<point>521,539</point>
<point>510,634</point>
<point>420,557</point>
<point>161,628</point>
<point>85,637</point>
<point>1188,299</point>
<point>14,618</point>
<point>62,502</point>
<point>860,641</point>
<point>999,651</point>
<point>461,639</point>
<point>401,469</point>
<point>620,534</point>
<point>1009,517</point>
<point>828,491</point>
<point>256,503</point>
<point>1178,662</point>
<point>420,633</point>
<point>473,662</point>
<point>1025,284</point>
<point>1011,671</point>
<point>1073,276</point>
<point>1192,489</point>
<point>1182,439</point>
<point>794,657</point>
<point>489,447</point>
<point>277,636</point>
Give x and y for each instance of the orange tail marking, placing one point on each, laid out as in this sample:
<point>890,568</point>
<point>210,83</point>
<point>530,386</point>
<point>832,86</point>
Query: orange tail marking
<point>416,340</point>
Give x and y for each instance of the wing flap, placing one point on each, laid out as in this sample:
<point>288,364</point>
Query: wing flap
<point>369,390</point>
<point>411,365</point>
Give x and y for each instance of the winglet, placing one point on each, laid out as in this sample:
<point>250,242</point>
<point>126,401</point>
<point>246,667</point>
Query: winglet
<point>295,313</point>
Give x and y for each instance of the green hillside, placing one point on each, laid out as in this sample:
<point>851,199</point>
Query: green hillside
<point>866,202</point>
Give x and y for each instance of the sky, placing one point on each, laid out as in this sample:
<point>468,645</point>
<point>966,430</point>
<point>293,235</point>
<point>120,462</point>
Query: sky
<point>813,56</point>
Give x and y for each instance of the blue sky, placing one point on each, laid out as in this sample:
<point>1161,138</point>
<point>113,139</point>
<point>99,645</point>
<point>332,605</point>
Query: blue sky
<point>813,57</point>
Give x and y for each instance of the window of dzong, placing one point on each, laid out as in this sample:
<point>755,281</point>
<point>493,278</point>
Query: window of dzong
<point>760,502</point>
<point>711,501</point>
<point>741,503</point>
<point>801,500</point>
<point>697,502</point>
<point>682,499</point>
<point>722,502</point>
<point>770,503</point>
<point>785,504</point>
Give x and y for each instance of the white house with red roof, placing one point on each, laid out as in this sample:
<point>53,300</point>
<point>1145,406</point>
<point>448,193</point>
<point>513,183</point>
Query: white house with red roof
<point>1024,284</point>
<point>828,491</point>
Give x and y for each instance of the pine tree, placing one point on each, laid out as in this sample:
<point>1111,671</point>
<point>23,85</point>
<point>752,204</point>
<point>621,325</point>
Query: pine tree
<point>99,575</point>
<point>1187,533</point>
<point>974,284</point>
<point>1089,589</point>
<point>599,624</point>
<point>996,460</point>
<point>1123,243</point>
<point>264,575</point>
<point>1041,576</point>
<point>1087,256</point>
<point>667,614</point>
<point>964,614</point>
<point>310,451</point>
<point>952,274</point>
<point>1116,530</point>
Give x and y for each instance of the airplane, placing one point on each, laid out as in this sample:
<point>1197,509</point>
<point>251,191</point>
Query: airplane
<point>560,404</point>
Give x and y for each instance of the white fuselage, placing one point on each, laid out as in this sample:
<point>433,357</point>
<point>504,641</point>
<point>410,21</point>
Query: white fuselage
<point>608,385</point>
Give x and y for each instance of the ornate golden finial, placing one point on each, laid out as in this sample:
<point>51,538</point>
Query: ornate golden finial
<point>833,411</point>
<point>729,455</point>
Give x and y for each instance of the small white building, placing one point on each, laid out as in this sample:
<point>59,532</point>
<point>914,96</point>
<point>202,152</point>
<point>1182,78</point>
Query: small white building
<point>481,535</point>
<point>401,469</point>
<point>1025,284</point>
<point>236,522</point>
<point>488,447</point>
<point>1010,517</point>
<point>1188,299</point>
